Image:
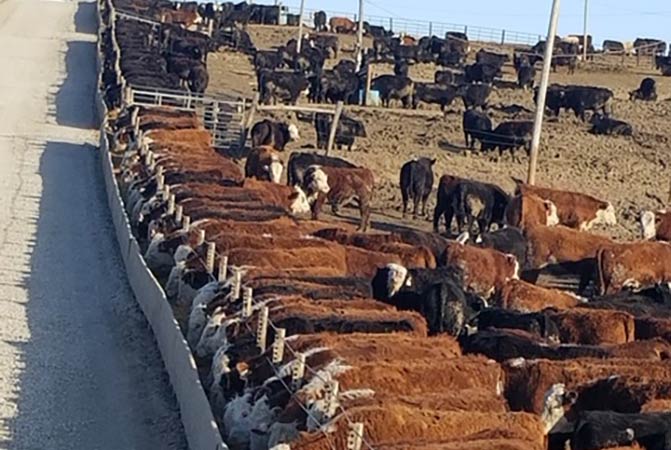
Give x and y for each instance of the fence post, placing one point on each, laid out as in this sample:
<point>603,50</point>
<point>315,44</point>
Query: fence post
<point>247,297</point>
<point>247,124</point>
<point>391,24</point>
<point>201,237</point>
<point>186,223</point>
<point>278,345</point>
<point>369,78</point>
<point>262,330</point>
<point>430,29</point>
<point>298,371</point>
<point>334,126</point>
<point>179,214</point>
<point>355,436</point>
<point>331,391</point>
<point>503,37</point>
<point>223,268</point>
<point>466,30</point>
<point>209,257</point>
<point>237,283</point>
<point>171,205</point>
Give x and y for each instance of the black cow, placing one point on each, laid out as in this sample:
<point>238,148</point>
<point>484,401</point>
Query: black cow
<point>392,87</point>
<point>433,93</point>
<point>647,47</point>
<point>554,99</point>
<point>376,31</point>
<point>410,53</point>
<point>446,77</point>
<point>526,75</point>
<point>320,21</point>
<point>509,240</point>
<point>274,134</point>
<point>474,94</point>
<point>477,126</point>
<point>334,86</point>
<point>347,130</point>
<point>284,86</point>
<point>480,73</point>
<point>416,183</point>
<point>345,66</point>
<point>586,98</point>
<point>299,163</point>
<point>471,201</point>
<point>510,136</point>
<point>264,14</point>
<point>537,323</point>
<point>502,345</point>
<point>269,59</point>
<point>654,301</point>
<point>327,44</point>
<point>605,429</point>
<point>497,60</point>
<point>401,68</point>
<point>198,79</point>
<point>602,124</point>
<point>434,293</point>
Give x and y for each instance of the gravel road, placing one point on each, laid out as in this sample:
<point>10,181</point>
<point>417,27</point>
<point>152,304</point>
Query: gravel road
<point>79,368</point>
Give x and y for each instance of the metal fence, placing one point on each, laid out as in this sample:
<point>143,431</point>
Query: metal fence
<point>429,28</point>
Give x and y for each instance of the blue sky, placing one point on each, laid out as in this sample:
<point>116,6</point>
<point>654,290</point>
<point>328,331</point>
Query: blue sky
<point>609,19</point>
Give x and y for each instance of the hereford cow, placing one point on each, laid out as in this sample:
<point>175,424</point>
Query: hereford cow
<point>528,210</point>
<point>593,326</point>
<point>274,134</point>
<point>635,265</point>
<point>338,185</point>
<point>656,225</point>
<point>509,240</point>
<point>485,271</point>
<point>416,183</point>
<point>575,210</point>
<point>522,296</point>
<point>264,163</point>
<point>299,163</point>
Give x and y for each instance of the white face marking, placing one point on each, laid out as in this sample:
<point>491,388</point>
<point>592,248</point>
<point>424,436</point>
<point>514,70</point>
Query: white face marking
<point>319,181</point>
<point>552,215</point>
<point>553,406</point>
<point>396,278</point>
<point>606,216</point>
<point>293,132</point>
<point>301,204</point>
<point>463,237</point>
<point>648,226</point>
<point>275,171</point>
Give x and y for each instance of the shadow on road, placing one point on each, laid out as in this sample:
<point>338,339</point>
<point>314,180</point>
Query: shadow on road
<point>83,21</point>
<point>72,108</point>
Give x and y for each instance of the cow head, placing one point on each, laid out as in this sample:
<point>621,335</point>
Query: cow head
<point>552,217</point>
<point>606,216</point>
<point>316,181</point>
<point>293,132</point>
<point>397,277</point>
<point>648,225</point>
<point>555,403</point>
<point>299,202</point>
<point>274,169</point>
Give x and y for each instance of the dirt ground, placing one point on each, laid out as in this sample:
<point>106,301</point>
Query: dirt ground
<point>631,172</point>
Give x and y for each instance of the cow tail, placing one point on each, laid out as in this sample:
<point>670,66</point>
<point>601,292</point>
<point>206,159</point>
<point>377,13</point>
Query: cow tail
<point>600,271</point>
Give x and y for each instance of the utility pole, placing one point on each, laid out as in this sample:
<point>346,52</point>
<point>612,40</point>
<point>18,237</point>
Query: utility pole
<point>542,91</point>
<point>584,34</point>
<point>299,41</point>
<point>359,38</point>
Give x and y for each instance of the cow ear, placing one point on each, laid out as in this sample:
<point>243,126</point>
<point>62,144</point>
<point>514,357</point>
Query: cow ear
<point>433,161</point>
<point>511,259</point>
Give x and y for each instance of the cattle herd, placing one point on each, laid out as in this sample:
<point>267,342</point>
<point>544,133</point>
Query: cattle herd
<point>429,342</point>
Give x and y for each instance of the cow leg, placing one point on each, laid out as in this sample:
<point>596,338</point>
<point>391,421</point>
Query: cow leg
<point>468,144</point>
<point>424,199</point>
<point>437,212</point>
<point>415,204</point>
<point>364,210</point>
<point>317,206</point>
<point>448,215</point>
<point>404,195</point>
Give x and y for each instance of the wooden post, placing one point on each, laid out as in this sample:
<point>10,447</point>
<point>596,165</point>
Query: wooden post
<point>359,38</point>
<point>369,79</point>
<point>297,372</point>
<point>201,237</point>
<point>503,37</point>
<point>209,257</point>
<point>186,223</point>
<point>334,126</point>
<point>355,436</point>
<point>166,192</point>
<point>299,41</point>
<point>179,214</point>
<point>262,330</point>
<point>247,297</point>
<point>223,268</point>
<point>430,29</point>
<point>542,92</point>
<point>171,205</point>
<point>278,345</point>
<point>237,284</point>
<point>248,123</point>
<point>160,182</point>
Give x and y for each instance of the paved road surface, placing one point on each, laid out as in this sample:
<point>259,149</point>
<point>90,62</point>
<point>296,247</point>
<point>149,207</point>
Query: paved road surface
<point>78,366</point>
